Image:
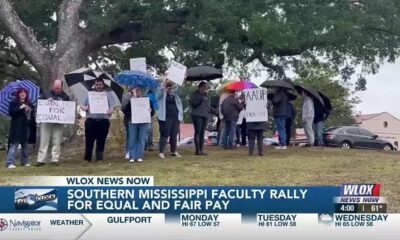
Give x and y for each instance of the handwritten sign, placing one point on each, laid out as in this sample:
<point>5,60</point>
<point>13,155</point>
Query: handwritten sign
<point>62,112</point>
<point>138,64</point>
<point>98,102</point>
<point>140,108</point>
<point>242,115</point>
<point>176,73</point>
<point>256,105</point>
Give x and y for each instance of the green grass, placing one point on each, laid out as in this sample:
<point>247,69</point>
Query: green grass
<point>294,167</point>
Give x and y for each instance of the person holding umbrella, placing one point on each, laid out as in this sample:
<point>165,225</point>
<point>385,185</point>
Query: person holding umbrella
<point>97,124</point>
<point>200,103</point>
<point>170,115</point>
<point>21,111</point>
<point>52,130</point>
<point>137,131</point>
<point>230,108</point>
<point>280,104</point>
<point>308,116</point>
<point>321,114</point>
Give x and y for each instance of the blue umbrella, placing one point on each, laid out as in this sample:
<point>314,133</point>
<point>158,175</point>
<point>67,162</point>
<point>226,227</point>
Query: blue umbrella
<point>7,94</point>
<point>137,79</point>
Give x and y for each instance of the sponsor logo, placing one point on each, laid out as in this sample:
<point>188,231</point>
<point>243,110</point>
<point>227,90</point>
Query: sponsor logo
<point>3,224</point>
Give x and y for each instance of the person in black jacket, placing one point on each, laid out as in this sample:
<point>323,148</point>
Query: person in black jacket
<point>280,103</point>
<point>21,112</point>
<point>201,108</point>
<point>230,108</point>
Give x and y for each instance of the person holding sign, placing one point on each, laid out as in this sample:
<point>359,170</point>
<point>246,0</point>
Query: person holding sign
<point>21,113</point>
<point>51,130</point>
<point>138,126</point>
<point>230,108</point>
<point>170,115</point>
<point>200,103</point>
<point>97,124</point>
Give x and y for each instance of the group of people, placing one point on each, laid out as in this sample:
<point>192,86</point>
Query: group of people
<point>166,103</point>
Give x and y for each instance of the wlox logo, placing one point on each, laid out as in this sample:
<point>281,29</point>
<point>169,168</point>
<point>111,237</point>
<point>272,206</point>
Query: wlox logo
<point>360,190</point>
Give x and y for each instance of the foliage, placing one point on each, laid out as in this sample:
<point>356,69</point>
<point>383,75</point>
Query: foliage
<point>322,78</point>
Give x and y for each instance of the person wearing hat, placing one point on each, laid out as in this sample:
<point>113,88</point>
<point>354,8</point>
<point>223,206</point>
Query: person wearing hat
<point>170,115</point>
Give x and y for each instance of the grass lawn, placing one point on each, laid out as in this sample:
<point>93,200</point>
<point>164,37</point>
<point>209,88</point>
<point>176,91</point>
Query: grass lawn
<point>295,167</point>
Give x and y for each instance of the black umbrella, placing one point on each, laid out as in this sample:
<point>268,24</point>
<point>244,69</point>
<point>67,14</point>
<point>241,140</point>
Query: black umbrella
<point>291,95</point>
<point>327,101</point>
<point>81,81</point>
<point>313,93</point>
<point>200,73</point>
<point>276,84</point>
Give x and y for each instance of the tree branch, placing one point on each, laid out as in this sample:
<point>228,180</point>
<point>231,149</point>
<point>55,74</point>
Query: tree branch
<point>22,34</point>
<point>68,22</point>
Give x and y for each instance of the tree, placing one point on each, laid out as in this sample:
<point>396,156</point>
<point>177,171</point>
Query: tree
<point>325,80</point>
<point>59,36</point>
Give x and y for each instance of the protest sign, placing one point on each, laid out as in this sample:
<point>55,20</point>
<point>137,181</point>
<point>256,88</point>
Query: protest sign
<point>242,115</point>
<point>62,112</point>
<point>98,102</point>
<point>140,108</point>
<point>176,73</point>
<point>138,64</point>
<point>256,105</point>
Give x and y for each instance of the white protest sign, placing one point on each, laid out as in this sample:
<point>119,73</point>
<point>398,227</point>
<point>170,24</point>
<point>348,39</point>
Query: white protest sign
<point>56,112</point>
<point>256,105</point>
<point>176,73</point>
<point>138,64</point>
<point>98,102</point>
<point>140,108</point>
<point>242,115</point>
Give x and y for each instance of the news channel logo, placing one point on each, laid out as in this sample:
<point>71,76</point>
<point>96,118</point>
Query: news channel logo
<point>29,199</point>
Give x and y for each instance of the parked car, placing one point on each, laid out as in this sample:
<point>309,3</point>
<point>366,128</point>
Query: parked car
<point>355,137</point>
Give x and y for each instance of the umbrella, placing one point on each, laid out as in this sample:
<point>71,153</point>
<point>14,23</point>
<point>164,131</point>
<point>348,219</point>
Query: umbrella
<point>7,94</point>
<point>81,81</point>
<point>137,79</point>
<point>314,94</point>
<point>291,95</point>
<point>327,101</point>
<point>206,73</point>
<point>223,86</point>
<point>276,84</point>
<point>240,85</point>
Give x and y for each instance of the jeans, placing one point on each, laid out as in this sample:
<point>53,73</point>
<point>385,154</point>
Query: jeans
<point>137,139</point>
<point>229,135</point>
<point>308,129</point>
<point>200,125</point>
<point>169,129</point>
<point>96,130</point>
<point>318,130</point>
<point>53,131</point>
<point>221,135</point>
<point>12,151</point>
<point>280,127</point>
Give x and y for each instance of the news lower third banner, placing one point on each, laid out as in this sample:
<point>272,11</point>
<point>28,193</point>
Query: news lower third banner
<point>108,207</point>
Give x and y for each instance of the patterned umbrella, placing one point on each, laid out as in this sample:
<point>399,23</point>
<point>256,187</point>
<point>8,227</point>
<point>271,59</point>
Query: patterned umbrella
<point>137,79</point>
<point>81,81</point>
<point>240,85</point>
<point>7,94</point>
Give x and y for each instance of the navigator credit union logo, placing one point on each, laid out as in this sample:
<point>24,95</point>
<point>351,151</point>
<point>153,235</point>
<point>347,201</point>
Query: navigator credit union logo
<point>3,224</point>
<point>40,199</point>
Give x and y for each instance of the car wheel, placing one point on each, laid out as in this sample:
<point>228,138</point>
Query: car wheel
<point>345,145</point>
<point>387,147</point>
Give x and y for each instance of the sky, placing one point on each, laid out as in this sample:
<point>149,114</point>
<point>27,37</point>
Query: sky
<point>383,91</point>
